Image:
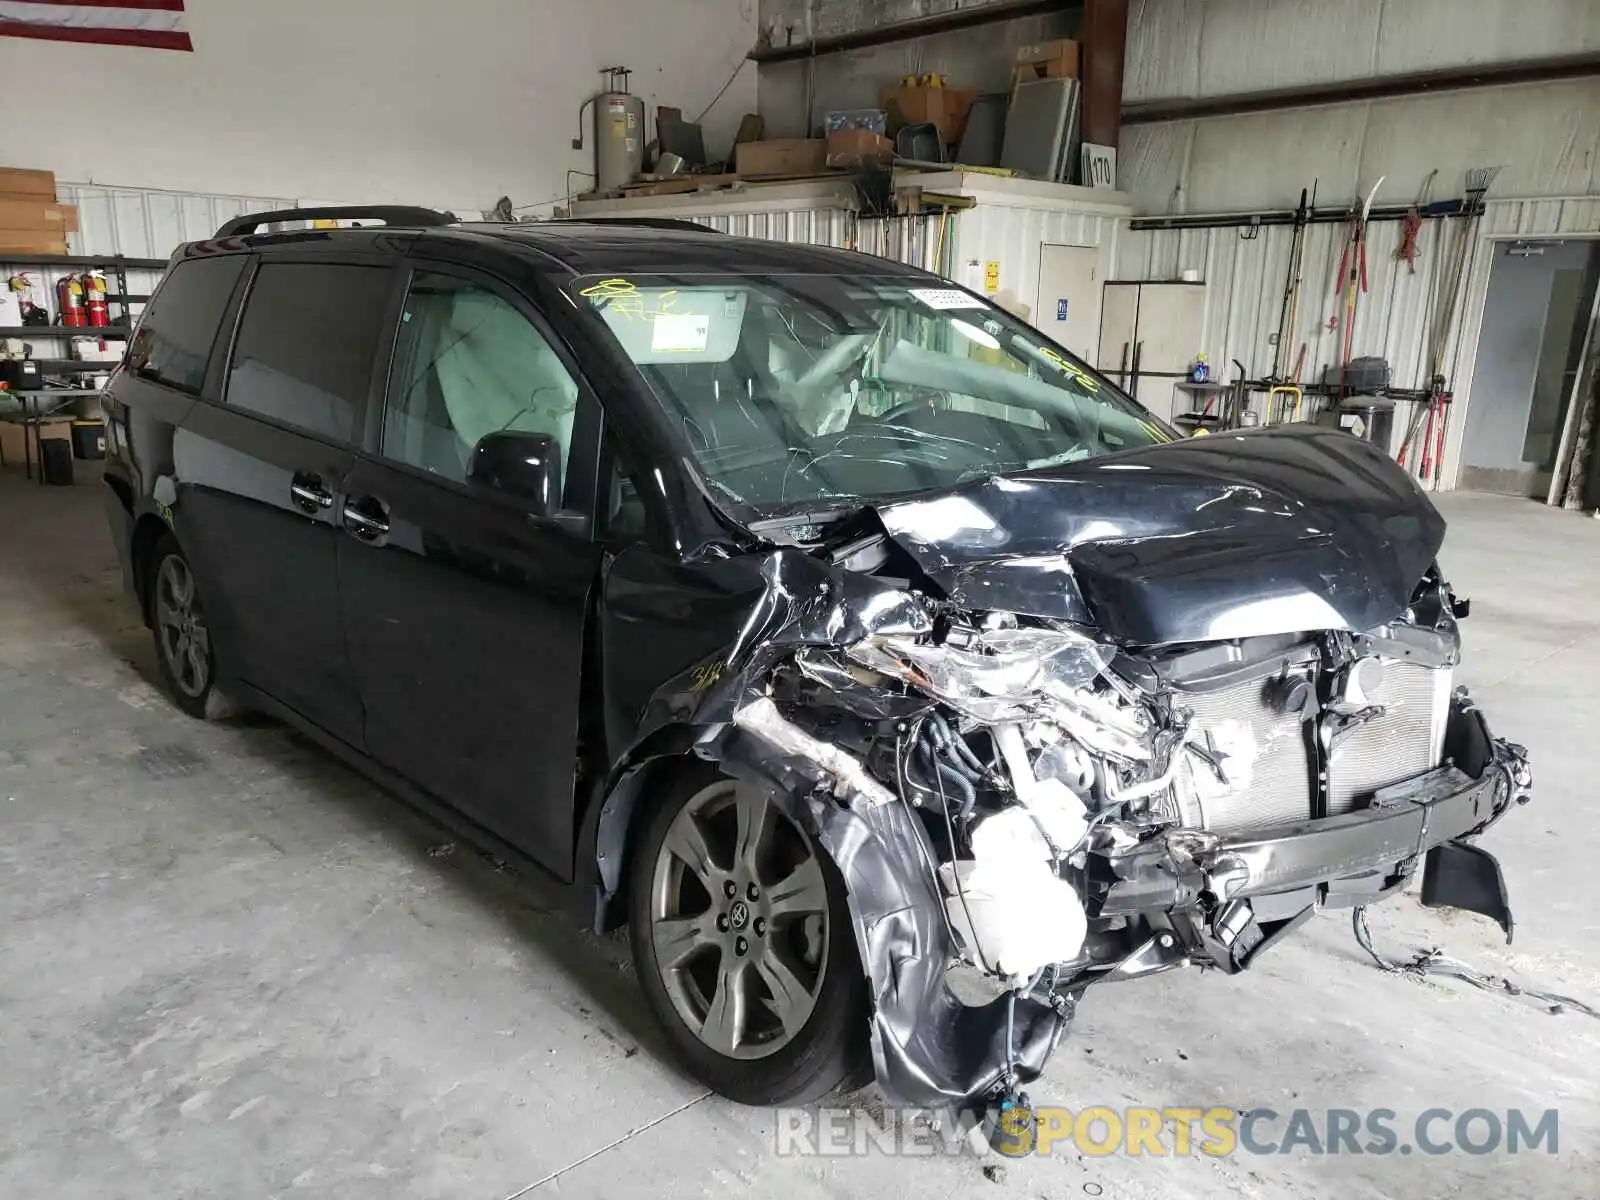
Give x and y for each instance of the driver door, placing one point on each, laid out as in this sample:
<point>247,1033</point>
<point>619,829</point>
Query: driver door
<point>464,612</point>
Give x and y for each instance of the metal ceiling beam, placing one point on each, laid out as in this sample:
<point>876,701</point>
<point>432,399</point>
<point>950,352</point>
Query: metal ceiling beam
<point>1387,87</point>
<point>904,31</point>
<point>1105,38</point>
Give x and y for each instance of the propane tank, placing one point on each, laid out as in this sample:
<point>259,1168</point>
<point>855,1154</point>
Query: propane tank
<point>94,298</point>
<point>69,301</point>
<point>618,133</point>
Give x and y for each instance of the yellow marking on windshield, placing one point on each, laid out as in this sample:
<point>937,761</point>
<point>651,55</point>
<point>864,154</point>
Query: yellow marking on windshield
<point>1155,431</point>
<point>623,297</point>
<point>607,288</point>
<point>1088,382</point>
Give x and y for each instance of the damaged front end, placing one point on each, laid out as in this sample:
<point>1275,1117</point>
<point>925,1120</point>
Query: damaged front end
<point>1047,809</point>
<point>1075,726</point>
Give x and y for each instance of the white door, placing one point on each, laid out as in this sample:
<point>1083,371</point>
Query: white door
<point>1119,327</point>
<point>1068,307</point>
<point>1171,326</point>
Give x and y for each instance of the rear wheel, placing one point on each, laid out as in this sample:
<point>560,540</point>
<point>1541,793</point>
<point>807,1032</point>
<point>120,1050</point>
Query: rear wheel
<point>744,947</point>
<point>185,655</point>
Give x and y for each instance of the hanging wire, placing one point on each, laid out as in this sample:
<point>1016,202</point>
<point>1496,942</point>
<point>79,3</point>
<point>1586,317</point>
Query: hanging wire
<point>721,91</point>
<point>1434,962</point>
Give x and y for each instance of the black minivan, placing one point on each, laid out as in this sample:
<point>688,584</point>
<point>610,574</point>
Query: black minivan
<point>809,613</point>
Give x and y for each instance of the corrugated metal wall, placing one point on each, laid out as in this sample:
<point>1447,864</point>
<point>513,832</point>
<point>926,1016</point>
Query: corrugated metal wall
<point>912,240</point>
<point>1217,47</point>
<point>1011,235</point>
<point>1545,137</point>
<point>1245,280</point>
<point>144,223</point>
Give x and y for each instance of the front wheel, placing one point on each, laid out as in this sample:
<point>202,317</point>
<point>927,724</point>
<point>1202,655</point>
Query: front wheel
<point>743,944</point>
<point>185,655</point>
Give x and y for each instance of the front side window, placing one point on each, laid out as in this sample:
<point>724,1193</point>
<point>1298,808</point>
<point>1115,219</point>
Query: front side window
<point>467,364</point>
<point>797,390</point>
<point>176,332</point>
<point>306,344</point>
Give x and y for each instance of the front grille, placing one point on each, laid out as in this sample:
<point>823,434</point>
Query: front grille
<point>1405,741</point>
<point>1278,790</point>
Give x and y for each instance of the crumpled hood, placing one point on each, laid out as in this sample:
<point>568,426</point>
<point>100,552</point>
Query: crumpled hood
<point>1232,535</point>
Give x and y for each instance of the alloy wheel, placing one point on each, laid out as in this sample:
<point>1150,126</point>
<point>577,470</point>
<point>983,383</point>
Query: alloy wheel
<point>739,921</point>
<point>185,641</point>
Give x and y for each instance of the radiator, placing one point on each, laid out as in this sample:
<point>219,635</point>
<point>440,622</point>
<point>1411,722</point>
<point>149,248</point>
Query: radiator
<point>1406,740</point>
<point>1278,789</point>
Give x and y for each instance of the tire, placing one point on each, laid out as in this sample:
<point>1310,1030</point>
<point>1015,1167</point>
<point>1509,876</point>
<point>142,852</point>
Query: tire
<point>795,1044</point>
<point>186,655</point>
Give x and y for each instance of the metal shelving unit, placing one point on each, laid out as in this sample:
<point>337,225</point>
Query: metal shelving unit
<point>24,332</point>
<point>41,405</point>
<point>116,261</point>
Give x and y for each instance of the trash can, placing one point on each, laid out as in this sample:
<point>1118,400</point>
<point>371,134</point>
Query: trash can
<point>1370,418</point>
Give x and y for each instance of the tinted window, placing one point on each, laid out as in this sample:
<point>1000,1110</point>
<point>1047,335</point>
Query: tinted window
<point>177,330</point>
<point>306,343</point>
<point>467,363</point>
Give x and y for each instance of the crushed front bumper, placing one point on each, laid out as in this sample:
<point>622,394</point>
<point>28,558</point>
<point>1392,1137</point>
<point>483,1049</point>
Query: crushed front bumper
<point>1223,895</point>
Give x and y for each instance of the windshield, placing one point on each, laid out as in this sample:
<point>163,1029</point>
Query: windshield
<point>796,392</point>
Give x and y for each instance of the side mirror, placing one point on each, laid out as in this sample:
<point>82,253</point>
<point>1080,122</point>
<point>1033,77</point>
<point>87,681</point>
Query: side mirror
<point>524,465</point>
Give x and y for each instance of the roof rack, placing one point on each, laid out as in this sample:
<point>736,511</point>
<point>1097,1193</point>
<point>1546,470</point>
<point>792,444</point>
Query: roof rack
<point>389,214</point>
<point>646,222</point>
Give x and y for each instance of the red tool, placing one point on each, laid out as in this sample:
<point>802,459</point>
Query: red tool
<point>1353,269</point>
<point>1412,229</point>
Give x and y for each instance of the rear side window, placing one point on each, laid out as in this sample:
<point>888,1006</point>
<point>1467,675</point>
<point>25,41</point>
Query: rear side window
<point>306,344</point>
<point>178,329</point>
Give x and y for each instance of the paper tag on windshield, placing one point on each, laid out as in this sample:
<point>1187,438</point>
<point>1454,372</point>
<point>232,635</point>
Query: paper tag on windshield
<point>946,298</point>
<point>680,333</point>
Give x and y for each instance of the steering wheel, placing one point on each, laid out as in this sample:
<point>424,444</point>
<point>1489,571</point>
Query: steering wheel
<point>905,408</point>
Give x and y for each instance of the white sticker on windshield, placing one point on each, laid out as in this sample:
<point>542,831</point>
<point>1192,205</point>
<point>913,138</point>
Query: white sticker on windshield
<point>680,333</point>
<point>943,298</point>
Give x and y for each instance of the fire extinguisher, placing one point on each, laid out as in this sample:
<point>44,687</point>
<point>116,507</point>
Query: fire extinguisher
<point>94,298</point>
<point>69,301</point>
<point>32,314</point>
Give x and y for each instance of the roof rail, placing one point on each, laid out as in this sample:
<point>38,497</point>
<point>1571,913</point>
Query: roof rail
<point>646,222</point>
<point>389,214</point>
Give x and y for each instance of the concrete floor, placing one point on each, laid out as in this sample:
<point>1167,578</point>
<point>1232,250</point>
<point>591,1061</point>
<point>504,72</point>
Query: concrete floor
<point>230,967</point>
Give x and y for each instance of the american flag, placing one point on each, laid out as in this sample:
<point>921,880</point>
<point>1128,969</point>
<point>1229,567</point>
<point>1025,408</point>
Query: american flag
<point>158,24</point>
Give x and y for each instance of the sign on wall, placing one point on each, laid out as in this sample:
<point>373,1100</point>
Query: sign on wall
<point>1099,166</point>
<point>154,24</point>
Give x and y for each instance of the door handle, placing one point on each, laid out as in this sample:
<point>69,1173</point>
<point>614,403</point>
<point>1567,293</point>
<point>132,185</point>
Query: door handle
<point>365,525</point>
<point>309,493</point>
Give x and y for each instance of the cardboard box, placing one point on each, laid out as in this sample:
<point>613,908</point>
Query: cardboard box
<point>32,241</point>
<point>781,156</point>
<point>852,147</point>
<point>11,443</point>
<point>32,214</point>
<point>944,108</point>
<point>17,184</point>
<point>1057,59</point>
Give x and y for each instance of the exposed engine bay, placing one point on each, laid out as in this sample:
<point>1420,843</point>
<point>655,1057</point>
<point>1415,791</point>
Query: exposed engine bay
<point>1036,795</point>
